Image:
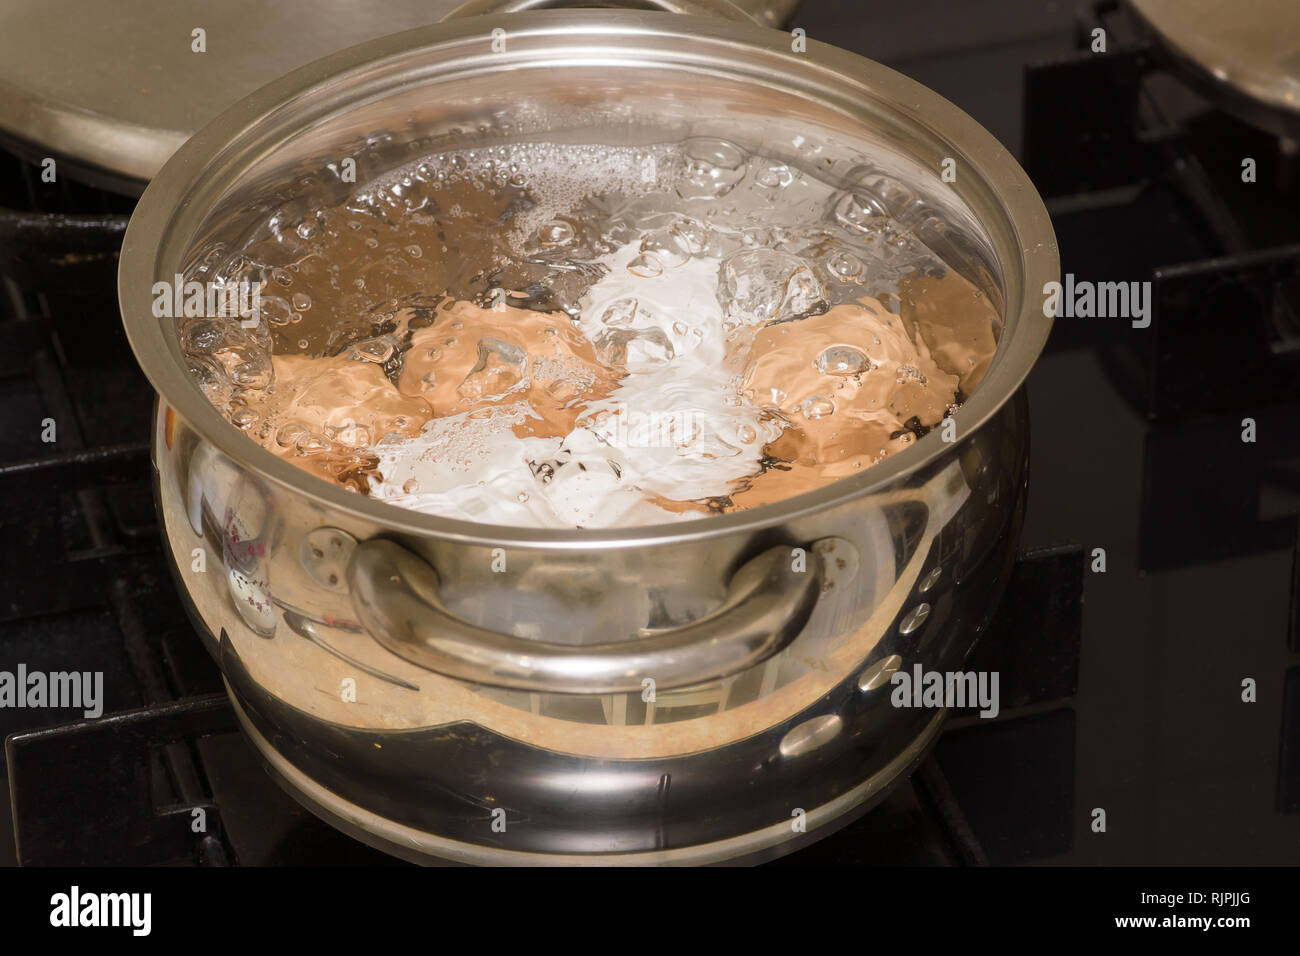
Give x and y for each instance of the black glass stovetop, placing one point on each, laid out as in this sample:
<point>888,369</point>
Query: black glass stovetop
<point>1122,688</point>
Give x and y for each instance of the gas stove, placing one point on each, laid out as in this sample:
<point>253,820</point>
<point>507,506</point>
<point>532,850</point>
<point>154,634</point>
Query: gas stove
<point>1149,642</point>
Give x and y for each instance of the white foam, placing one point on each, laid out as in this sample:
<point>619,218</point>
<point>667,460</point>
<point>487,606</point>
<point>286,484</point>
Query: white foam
<point>696,389</point>
<point>675,426</point>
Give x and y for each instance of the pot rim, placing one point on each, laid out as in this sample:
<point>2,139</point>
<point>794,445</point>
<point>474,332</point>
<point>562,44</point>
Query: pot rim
<point>174,205</point>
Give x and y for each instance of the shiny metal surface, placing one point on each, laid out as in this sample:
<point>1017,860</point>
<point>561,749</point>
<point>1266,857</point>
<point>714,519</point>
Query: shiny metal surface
<point>420,846</point>
<point>915,618</point>
<point>112,90</point>
<point>930,581</point>
<point>696,8</point>
<point>879,673</point>
<point>1245,54</point>
<point>427,760</point>
<point>767,604</point>
<point>770,13</point>
<point>812,734</point>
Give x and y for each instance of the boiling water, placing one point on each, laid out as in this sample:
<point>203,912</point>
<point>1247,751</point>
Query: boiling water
<point>586,336</point>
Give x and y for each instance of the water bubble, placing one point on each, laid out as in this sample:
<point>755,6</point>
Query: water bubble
<point>309,444</point>
<point>502,369</point>
<point>202,336</point>
<point>282,276</point>
<point>713,168</point>
<point>845,265</point>
<point>620,313</point>
<point>275,310</point>
<point>410,486</point>
<point>886,191</point>
<point>816,407</point>
<point>556,233</point>
<point>645,266</point>
<point>774,176</point>
<point>211,380</point>
<point>244,418</point>
<point>693,235</point>
<point>255,374</point>
<point>859,212</point>
<point>746,434</point>
<point>307,229</point>
<point>301,301</point>
<point>378,350</point>
<point>621,346</point>
<point>766,285</point>
<point>288,435</point>
<point>843,360</point>
<point>351,435</point>
<point>667,248</point>
<point>910,375</point>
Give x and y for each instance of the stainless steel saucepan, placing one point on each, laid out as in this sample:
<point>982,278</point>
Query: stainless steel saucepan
<point>705,691</point>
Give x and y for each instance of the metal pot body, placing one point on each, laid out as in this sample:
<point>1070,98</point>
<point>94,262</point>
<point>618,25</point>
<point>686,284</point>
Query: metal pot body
<point>700,692</point>
<point>750,764</point>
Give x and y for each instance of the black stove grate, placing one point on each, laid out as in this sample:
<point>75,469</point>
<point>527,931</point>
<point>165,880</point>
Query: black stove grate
<point>1145,159</point>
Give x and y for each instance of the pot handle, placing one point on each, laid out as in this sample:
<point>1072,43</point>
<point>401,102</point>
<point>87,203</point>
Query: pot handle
<point>723,9</point>
<point>768,602</point>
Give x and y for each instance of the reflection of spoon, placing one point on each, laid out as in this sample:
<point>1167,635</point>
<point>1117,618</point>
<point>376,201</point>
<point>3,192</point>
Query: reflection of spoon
<point>300,625</point>
<point>247,537</point>
<point>337,623</point>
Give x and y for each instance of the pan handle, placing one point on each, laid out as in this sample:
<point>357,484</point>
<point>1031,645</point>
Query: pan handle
<point>723,9</point>
<point>396,597</point>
